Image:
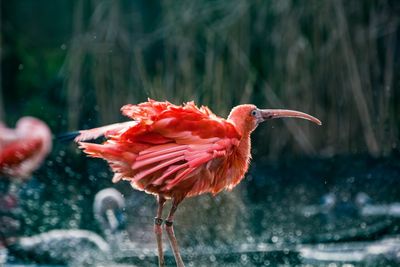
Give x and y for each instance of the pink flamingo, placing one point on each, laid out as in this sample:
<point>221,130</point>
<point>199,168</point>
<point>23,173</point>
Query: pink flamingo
<point>24,148</point>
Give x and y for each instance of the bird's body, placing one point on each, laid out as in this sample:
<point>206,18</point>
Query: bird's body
<point>23,149</point>
<point>179,151</point>
<point>176,151</point>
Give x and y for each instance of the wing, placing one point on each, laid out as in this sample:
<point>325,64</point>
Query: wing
<point>167,145</point>
<point>16,152</point>
<point>17,157</point>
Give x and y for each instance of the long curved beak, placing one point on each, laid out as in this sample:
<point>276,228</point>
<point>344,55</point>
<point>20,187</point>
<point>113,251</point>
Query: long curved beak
<point>268,114</point>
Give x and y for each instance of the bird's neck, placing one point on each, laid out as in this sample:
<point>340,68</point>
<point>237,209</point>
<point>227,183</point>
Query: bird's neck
<point>240,161</point>
<point>245,146</point>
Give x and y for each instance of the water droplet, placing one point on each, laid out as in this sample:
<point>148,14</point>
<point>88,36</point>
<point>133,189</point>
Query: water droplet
<point>212,258</point>
<point>243,258</point>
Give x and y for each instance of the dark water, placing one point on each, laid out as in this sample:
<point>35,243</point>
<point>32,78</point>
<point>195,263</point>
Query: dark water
<point>300,212</point>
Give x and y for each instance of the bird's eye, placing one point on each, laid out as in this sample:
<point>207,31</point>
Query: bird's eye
<point>254,112</point>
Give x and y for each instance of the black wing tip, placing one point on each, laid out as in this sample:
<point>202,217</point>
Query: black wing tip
<point>67,137</point>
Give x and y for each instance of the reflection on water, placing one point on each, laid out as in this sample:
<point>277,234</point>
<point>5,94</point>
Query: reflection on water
<point>384,252</point>
<point>377,253</point>
<point>77,247</point>
<point>279,216</point>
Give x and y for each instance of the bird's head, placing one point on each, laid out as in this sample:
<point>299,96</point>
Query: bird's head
<point>247,117</point>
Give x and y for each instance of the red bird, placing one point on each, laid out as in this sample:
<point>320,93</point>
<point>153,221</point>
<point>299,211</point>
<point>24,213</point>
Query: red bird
<point>174,152</point>
<point>23,149</point>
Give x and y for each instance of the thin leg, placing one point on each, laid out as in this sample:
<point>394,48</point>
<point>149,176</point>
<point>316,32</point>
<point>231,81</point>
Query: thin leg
<point>171,235</point>
<point>158,230</point>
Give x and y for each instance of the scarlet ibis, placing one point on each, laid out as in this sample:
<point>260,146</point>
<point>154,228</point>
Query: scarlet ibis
<point>175,152</point>
<point>24,148</point>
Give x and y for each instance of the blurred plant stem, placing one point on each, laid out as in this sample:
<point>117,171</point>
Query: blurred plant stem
<point>355,81</point>
<point>74,65</point>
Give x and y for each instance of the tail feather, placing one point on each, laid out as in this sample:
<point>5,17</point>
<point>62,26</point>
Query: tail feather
<point>99,150</point>
<point>67,137</point>
<point>119,161</point>
<point>108,130</point>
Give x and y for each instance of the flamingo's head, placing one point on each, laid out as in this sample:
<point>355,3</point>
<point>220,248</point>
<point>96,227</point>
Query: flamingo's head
<point>247,117</point>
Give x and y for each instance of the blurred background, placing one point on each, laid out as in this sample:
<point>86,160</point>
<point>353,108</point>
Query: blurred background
<point>73,64</point>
